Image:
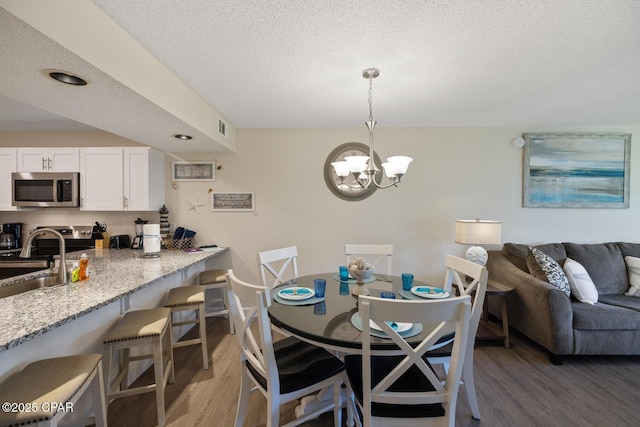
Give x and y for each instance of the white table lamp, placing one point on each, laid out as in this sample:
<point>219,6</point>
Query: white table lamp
<point>478,232</point>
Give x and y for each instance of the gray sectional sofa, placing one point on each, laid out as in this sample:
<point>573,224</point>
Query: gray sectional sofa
<point>561,324</point>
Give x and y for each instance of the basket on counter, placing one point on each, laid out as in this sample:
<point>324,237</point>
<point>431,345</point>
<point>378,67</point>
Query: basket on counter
<point>168,242</point>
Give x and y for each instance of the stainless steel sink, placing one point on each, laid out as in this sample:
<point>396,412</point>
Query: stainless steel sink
<point>28,285</point>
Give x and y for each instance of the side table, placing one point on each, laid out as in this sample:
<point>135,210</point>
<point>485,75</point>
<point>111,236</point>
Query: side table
<point>486,330</point>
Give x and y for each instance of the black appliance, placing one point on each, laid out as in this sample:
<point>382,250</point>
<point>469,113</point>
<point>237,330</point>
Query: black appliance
<point>10,263</point>
<point>10,236</point>
<point>138,238</point>
<point>121,241</point>
<point>76,238</point>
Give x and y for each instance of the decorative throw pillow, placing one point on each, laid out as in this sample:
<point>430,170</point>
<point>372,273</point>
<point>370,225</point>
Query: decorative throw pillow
<point>546,268</point>
<point>633,267</point>
<point>582,286</point>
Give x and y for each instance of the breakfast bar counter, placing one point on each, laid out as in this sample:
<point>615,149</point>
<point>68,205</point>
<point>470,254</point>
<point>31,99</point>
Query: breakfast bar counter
<point>72,318</point>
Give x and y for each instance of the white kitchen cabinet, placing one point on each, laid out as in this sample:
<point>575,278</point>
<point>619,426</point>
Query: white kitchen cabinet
<point>143,179</point>
<point>121,179</point>
<point>101,179</point>
<point>7,166</point>
<point>48,159</point>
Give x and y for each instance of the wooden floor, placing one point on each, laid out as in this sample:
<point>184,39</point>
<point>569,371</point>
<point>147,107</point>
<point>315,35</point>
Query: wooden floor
<point>516,387</point>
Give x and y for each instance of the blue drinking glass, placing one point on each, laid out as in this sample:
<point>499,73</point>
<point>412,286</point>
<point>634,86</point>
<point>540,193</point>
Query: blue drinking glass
<point>407,281</point>
<point>344,273</point>
<point>320,285</point>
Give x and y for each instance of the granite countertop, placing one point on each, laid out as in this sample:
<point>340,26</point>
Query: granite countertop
<point>114,274</point>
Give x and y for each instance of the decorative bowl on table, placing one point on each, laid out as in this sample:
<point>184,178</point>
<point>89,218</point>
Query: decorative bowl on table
<point>360,270</point>
<point>360,276</point>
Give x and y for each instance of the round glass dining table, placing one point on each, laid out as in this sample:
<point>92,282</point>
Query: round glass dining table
<point>328,323</point>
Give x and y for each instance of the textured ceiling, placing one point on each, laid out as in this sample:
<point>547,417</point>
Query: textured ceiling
<point>443,62</point>
<point>298,63</point>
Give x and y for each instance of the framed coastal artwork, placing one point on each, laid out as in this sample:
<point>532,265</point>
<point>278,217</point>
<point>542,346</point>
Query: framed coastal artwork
<point>233,202</point>
<point>576,170</point>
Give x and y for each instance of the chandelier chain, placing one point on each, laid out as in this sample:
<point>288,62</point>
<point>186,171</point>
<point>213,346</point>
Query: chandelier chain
<point>370,98</point>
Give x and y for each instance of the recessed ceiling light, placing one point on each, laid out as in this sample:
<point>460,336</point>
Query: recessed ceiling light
<point>67,78</point>
<point>182,137</point>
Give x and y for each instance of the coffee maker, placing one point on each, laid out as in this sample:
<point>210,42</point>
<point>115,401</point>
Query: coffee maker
<point>137,240</point>
<point>11,236</point>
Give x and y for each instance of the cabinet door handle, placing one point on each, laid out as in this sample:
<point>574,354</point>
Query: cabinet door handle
<point>126,202</point>
<point>44,164</point>
<point>49,162</point>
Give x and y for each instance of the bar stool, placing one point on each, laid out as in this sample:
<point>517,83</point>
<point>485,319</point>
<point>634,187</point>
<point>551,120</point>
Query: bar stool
<point>190,298</point>
<point>137,329</point>
<point>49,389</point>
<point>217,279</point>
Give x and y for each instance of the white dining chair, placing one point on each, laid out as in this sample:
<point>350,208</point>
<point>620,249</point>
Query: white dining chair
<point>403,390</point>
<point>281,264</point>
<point>380,253</point>
<point>282,371</point>
<point>470,279</point>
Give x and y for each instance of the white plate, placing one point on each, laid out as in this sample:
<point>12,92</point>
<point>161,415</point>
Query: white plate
<point>290,293</point>
<point>436,295</point>
<point>402,327</point>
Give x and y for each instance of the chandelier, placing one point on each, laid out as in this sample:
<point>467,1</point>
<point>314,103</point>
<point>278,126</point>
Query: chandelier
<point>364,168</point>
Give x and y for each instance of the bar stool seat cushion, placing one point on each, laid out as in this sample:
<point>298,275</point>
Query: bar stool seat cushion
<point>140,324</point>
<point>49,380</point>
<point>208,277</point>
<point>185,296</point>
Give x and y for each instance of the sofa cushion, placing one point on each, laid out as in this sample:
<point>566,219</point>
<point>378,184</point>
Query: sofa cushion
<point>622,301</point>
<point>605,265</point>
<point>582,287</point>
<point>629,249</point>
<point>603,316</point>
<point>546,268</point>
<point>517,253</point>
<point>633,268</point>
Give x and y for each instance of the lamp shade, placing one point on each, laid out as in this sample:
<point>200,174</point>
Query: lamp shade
<point>478,232</point>
<point>341,168</point>
<point>357,164</point>
<point>400,164</point>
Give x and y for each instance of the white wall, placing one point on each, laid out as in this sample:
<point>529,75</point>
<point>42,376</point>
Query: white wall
<point>458,173</point>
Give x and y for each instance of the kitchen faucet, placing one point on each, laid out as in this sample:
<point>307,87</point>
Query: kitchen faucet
<point>62,268</point>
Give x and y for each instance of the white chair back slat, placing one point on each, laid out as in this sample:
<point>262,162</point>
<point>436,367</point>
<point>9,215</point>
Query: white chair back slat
<point>281,264</point>
<point>380,253</point>
<point>439,318</point>
<point>470,279</point>
<point>249,307</point>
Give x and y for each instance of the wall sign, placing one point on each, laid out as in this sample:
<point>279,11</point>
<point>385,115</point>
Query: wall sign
<point>233,202</point>
<point>193,171</point>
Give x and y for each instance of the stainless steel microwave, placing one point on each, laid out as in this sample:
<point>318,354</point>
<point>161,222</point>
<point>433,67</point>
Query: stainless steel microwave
<point>45,189</point>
